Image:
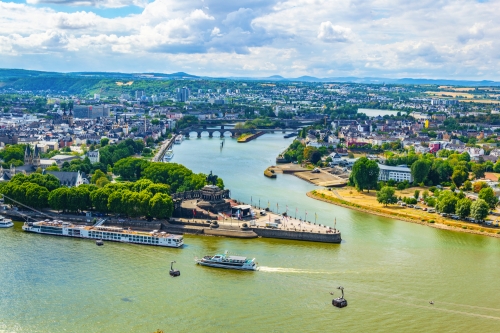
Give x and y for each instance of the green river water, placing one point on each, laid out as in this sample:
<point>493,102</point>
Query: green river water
<point>390,270</point>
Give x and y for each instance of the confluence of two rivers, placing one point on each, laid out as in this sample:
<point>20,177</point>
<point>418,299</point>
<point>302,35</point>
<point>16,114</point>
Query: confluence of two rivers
<point>390,270</point>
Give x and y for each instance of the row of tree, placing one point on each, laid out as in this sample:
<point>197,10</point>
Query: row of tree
<point>178,177</point>
<point>449,202</point>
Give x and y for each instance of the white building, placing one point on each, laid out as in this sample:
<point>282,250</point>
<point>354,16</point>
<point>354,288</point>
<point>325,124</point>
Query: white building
<point>93,156</point>
<point>396,173</point>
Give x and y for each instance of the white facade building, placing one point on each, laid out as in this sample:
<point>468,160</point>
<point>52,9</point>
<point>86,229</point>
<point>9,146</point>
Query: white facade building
<point>396,173</point>
<point>93,156</point>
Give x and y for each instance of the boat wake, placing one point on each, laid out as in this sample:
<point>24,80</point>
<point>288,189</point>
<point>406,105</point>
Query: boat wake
<point>290,270</point>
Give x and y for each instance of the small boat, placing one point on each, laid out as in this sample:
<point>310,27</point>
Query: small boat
<point>99,242</point>
<point>173,272</point>
<point>229,262</point>
<point>6,223</point>
<point>168,155</point>
<point>178,139</point>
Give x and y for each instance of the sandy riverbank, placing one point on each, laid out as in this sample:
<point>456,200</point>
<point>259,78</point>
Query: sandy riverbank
<point>366,203</point>
<point>322,178</point>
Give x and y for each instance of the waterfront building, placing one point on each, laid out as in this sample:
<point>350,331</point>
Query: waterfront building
<point>396,173</point>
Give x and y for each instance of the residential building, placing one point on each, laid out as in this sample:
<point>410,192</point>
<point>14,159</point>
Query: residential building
<point>396,173</point>
<point>93,156</point>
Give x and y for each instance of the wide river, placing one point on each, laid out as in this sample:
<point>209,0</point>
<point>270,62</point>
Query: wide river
<point>390,270</point>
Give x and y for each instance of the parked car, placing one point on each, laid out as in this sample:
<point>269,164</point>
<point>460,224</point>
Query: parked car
<point>443,214</point>
<point>417,207</point>
<point>410,206</point>
<point>431,210</point>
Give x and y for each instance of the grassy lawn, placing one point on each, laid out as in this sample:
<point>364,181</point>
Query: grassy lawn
<point>368,201</point>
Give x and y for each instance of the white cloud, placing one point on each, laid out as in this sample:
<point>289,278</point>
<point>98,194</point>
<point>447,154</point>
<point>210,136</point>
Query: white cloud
<point>429,38</point>
<point>330,33</point>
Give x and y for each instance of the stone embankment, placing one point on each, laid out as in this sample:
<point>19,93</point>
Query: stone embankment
<point>247,138</point>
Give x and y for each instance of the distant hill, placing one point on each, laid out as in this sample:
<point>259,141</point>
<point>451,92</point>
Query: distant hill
<point>81,82</point>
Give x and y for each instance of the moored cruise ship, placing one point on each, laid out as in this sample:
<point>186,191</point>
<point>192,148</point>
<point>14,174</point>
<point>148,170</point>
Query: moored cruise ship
<point>169,154</point>
<point>230,262</point>
<point>114,234</point>
<point>178,139</point>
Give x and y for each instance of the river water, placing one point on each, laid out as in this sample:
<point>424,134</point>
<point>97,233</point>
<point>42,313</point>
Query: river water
<point>390,270</point>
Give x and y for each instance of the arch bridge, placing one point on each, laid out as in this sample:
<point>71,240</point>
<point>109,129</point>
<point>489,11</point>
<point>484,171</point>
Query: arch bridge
<point>233,132</point>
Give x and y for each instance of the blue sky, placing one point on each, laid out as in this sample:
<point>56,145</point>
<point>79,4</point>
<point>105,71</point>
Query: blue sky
<point>324,38</point>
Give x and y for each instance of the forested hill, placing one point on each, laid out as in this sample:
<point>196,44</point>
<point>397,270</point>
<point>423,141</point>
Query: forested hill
<point>87,82</point>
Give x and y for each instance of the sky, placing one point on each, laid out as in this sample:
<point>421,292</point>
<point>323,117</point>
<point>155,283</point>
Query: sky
<point>256,38</point>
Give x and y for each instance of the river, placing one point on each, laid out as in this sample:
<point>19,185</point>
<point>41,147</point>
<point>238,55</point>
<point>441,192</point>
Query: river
<point>390,270</point>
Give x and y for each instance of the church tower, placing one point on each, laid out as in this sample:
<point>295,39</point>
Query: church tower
<point>70,118</point>
<point>36,157</point>
<point>27,155</point>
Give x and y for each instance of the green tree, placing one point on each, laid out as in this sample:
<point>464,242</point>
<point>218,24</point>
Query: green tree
<point>488,195</point>
<point>386,196</point>
<point>459,176</point>
<point>420,169</point>
<point>103,181</point>
<point>467,185</point>
<point>104,142</point>
<point>364,174</point>
<point>479,210</point>
<point>462,208</point>
<point>100,198</point>
<point>97,174</point>
<point>58,199</point>
<point>496,167</point>
<point>161,206</point>
<point>446,202</point>
<point>416,194</point>
<point>53,167</point>
<point>478,171</point>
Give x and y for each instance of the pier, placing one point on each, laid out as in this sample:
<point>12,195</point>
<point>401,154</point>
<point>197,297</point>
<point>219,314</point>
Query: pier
<point>166,145</point>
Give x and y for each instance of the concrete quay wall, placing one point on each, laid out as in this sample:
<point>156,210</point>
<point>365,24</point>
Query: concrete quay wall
<point>297,235</point>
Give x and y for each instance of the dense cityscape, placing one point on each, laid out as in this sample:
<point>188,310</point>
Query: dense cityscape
<point>249,166</point>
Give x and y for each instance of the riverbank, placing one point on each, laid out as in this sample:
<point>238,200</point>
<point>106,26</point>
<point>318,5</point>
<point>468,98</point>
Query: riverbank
<point>321,177</point>
<point>364,202</point>
<point>249,137</point>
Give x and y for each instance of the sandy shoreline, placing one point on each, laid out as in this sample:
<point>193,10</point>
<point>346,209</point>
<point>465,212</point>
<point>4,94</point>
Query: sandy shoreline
<point>317,196</point>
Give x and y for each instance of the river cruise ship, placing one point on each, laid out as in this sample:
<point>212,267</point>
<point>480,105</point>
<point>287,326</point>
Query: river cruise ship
<point>104,233</point>
<point>230,262</point>
<point>5,223</point>
<point>169,154</point>
<point>178,139</point>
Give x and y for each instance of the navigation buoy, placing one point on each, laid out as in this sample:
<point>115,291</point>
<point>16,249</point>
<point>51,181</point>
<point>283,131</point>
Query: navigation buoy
<point>99,242</point>
<point>340,302</point>
<point>173,272</point>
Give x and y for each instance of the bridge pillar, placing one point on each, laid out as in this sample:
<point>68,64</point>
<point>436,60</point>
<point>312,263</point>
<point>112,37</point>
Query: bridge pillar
<point>221,134</point>
<point>210,134</point>
<point>199,135</point>
<point>186,135</point>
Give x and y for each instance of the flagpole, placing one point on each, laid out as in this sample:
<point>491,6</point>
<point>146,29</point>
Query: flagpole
<point>315,217</point>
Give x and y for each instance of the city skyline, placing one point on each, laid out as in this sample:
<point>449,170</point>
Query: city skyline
<point>379,38</point>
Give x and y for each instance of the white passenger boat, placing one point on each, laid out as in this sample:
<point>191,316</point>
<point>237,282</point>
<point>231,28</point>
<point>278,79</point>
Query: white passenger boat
<point>178,139</point>
<point>5,223</point>
<point>114,234</point>
<point>229,262</point>
<point>168,155</point>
